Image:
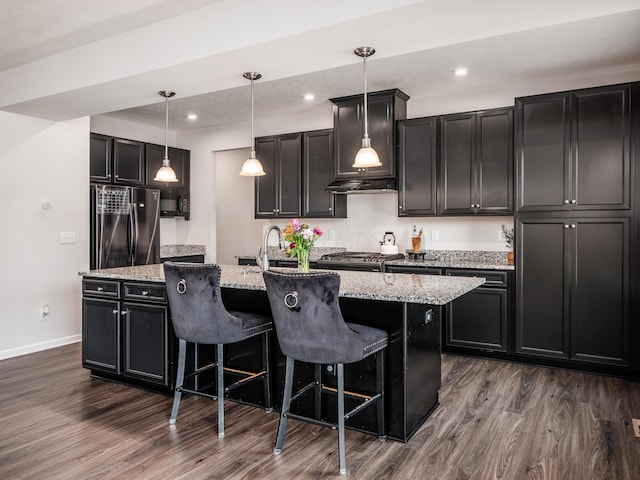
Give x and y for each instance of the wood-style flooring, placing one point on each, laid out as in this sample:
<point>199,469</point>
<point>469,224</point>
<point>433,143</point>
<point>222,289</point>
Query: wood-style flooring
<point>496,420</point>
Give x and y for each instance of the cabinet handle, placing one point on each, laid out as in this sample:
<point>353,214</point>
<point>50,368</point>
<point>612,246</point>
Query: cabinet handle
<point>573,201</point>
<point>100,289</point>
<point>115,311</point>
<point>566,226</point>
<point>573,225</point>
<point>117,177</point>
<point>109,176</point>
<point>400,207</point>
<point>566,201</point>
<point>330,209</point>
<point>124,312</point>
<point>145,293</point>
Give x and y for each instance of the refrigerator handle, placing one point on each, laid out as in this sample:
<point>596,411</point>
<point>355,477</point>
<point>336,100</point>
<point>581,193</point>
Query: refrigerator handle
<point>132,239</point>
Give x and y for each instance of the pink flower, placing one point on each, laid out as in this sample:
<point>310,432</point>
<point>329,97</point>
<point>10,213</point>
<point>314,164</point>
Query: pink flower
<point>317,231</point>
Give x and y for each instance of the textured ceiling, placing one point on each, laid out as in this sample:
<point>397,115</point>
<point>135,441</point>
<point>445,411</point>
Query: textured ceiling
<point>62,59</point>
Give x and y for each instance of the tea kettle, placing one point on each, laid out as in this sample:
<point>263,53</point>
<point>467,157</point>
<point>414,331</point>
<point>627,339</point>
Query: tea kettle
<point>388,244</point>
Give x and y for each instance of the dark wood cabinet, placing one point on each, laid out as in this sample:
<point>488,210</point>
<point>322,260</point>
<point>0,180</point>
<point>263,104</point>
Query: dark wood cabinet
<point>100,158</point>
<point>174,197</point>
<point>476,158</point>
<point>478,320</point>
<point>126,332</point>
<point>317,173</point>
<point>573,150</point>
<point>417,160</point>
<point>278,193</point>
<point>384,108</point>
<point>573,288</point>
<point>179,160</point>
<point>128,162</point>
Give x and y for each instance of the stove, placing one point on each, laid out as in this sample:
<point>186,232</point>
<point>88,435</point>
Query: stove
<point>360,261</point>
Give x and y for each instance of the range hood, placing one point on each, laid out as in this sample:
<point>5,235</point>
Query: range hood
<point>363,185</point>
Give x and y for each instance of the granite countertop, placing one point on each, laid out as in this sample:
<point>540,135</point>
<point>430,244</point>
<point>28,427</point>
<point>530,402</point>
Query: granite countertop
<point>473,259</point>
<point>393,287</point>
<point>167,251</point>
<point>315,253</point>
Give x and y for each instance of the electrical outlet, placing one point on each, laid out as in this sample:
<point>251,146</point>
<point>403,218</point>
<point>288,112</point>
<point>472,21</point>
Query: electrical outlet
<point>67,237</point>
<point>435,235</point>
<point>636,426</point>
<point>500,236</point>
<point>332,234</point>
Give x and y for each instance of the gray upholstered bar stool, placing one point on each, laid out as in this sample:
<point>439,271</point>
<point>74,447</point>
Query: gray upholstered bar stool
<point>199,316</point>
<point>310,328</point>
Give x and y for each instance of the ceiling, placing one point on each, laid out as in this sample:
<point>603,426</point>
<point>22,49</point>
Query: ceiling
<point>62,59</point>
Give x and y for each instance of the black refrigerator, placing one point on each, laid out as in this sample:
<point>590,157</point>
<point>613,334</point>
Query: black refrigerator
<point>125,226</point>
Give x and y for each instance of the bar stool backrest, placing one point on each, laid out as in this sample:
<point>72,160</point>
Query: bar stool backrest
<point>309,323</point>
<point>197,311</point>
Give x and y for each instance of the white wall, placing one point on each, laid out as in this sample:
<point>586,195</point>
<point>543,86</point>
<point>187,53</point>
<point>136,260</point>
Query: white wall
<point>42,160</point>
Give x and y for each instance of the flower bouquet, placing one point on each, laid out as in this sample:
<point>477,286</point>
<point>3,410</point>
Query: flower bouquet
<point>301,238</point>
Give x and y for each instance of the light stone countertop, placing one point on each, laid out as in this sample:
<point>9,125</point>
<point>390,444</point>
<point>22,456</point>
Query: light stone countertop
<point>393,287</point>
<point>167,251</point>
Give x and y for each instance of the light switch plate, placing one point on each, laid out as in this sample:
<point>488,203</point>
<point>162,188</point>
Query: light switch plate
<point>67,237</point>
<point>636,426</point>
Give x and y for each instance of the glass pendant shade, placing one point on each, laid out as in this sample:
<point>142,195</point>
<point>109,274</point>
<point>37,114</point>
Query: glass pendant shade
<point>366,156</point>
<point>252,166</point>
<point>166,173</point>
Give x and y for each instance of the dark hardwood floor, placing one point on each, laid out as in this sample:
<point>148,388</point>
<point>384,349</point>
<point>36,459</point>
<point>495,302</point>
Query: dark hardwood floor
<point>496,420</point>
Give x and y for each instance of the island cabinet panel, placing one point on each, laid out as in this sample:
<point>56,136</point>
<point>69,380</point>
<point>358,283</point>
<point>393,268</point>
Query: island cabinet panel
<point>573,150</point>
<point>475,163</point>
<point>417,160</point>
<point>126,333</point>
<point>384,108</point>
<point>317,173</point>
<point>573,289</point>
<point>278,193</point>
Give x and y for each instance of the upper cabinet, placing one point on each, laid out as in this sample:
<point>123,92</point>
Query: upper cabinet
<point>417,157</point>
<point>277,194</point>
<point>475,165</point>
<point>317,173</point>
<point>384,108</point>
<point>115,160</point>
<point>179,160</point>
<point>573,150</point>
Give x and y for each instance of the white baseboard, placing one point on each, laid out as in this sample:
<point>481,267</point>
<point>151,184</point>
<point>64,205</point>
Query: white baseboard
<point>37,347</point>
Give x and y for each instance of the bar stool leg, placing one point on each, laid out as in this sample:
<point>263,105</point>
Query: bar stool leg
<point>219,349</point>
<point>266,354</point>
<point>382,435</point>
<point>182,354</point>
<point>286,404</point>
<point>341,448</point>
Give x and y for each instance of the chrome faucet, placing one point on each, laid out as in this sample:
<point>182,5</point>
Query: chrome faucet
<point>263,259</point>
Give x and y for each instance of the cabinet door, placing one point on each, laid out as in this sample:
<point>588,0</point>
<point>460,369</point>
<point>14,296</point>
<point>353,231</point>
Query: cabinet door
<point>494,162</point>
<point>317,173</point>
<point>601,138</point>
<point>542,287</point>
<point>478,320</point>
<point>265,186</point>
<point>417,166</point>
<point>542,153</point>
<point>381,126</point>
<point>600,290</point>
<point>457,160</point>
<point>128,162</point>
<point>145,342</point>
<point>178,158</point>
<point>349,128</point>
<point>101,335</point>
<point>289,169</point>
<point>100,158</point>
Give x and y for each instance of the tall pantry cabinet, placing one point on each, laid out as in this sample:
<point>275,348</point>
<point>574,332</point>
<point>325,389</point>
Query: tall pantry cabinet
<point>577,232</point>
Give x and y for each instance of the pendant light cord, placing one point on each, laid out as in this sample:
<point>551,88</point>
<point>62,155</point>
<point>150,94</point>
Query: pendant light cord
<point>253,141</point>
<point>366,129</point>
<point>166,128</point>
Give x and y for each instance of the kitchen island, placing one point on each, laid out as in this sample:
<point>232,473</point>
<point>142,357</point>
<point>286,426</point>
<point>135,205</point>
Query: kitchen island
<point>125,306</point>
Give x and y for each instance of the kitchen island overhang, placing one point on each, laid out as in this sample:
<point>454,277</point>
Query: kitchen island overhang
<point>408,307</point>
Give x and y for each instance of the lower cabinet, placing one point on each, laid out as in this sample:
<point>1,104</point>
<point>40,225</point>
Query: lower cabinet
<point>126,331</point>
<point>573,296</point>
<point>479,319</point>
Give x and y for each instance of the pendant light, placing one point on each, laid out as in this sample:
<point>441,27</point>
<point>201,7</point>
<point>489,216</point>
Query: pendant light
<point>366,156</point>
<point>166,173</point>
<point>252,166</point>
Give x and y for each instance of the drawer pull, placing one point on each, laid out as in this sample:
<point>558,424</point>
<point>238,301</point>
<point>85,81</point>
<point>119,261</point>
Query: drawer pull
<point>100,289</point>
<point>145,293</point>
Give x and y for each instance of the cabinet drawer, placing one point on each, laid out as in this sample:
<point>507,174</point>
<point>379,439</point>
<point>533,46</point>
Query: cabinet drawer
<point>495,279</point>
<point>101,288</point>
<point>145,292</point>
<point>420,270</point>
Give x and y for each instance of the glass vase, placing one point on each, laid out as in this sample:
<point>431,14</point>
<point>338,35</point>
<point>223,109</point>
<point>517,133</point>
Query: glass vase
<point>303,261</point>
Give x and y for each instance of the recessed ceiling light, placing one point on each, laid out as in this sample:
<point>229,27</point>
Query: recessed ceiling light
<point>460,72</point>
<point>309,96</point>
<point>192,116</point>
